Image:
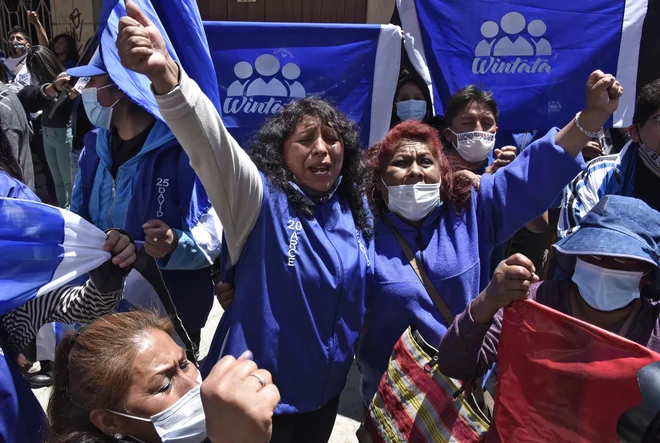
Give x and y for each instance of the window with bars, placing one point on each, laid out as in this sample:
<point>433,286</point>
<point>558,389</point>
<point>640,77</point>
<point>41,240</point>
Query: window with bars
<point>14,13</point>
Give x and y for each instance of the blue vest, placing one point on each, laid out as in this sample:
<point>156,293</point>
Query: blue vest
<point>300,299</point>
<point>191,290</point>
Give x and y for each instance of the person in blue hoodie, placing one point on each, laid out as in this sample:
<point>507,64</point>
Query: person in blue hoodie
<point>296,234</point>
<point>452,228</point>
<point>134,175</point>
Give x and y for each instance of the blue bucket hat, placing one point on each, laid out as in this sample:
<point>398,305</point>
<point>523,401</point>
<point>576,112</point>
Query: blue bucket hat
<point>617,226</point>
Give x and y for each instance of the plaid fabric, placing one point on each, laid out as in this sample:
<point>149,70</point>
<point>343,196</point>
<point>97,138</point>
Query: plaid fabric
<point>413,405</point>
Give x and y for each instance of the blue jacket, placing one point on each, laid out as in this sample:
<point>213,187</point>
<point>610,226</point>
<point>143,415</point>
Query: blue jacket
<point>455,247</point>
<point>22,418</point>
<point>300,299</point>
<point>158,183</point>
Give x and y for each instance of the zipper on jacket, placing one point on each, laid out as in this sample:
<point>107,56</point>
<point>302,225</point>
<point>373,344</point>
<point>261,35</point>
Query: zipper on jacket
<point>112,202</point>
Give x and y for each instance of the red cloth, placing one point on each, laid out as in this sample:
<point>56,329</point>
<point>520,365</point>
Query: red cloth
<point>561,379</point>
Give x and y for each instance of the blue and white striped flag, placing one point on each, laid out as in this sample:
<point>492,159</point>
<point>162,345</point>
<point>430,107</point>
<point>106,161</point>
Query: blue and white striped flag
<point>534,55</point>
<point>263,66</point>
<point>41,249</point>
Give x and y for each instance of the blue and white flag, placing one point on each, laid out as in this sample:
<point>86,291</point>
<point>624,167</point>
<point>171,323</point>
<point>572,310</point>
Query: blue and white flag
<point>181,26</point>
<point>263,66</point>
<point>43,248</point>
<point>534,55</point>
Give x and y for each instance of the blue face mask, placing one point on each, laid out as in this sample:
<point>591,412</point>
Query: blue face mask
<point>99,115</point>
<point>411,110</point>
<point>606,289</point>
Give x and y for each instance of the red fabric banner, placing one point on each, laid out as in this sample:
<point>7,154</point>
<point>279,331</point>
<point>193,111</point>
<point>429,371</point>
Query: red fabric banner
<point>561,379</point>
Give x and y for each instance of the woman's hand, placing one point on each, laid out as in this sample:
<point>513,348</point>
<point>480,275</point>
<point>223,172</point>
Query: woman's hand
<point>511,281</point>
<point>503,157</point>
<point>160,240</point>
<point>142,49</point>
<point>238,408</point>
<point>603,93</point>
<point>592,150</point>
<point>121,248</point>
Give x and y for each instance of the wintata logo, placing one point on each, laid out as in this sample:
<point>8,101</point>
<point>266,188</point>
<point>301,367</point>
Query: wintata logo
<point>266,91</point>
<point>507,49</point>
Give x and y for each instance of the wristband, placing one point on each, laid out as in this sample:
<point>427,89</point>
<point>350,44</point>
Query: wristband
<point>589,134</point>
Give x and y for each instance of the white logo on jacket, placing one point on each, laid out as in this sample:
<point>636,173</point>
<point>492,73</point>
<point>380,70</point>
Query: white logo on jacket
<point>161,186</point>
<point>520,54</point>
<point>264,93</point>
<point>292,254</point>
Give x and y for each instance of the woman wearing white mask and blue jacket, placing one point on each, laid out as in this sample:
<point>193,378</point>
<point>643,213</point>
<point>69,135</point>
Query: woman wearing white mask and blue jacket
<point>296,234</point>
<point>412,101</point>
<point>613,255</point>
<point>451,228</point>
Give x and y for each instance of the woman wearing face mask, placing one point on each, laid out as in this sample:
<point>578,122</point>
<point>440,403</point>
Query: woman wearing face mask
<point>299,196</point>
<point>451,228</point>
<point>612,256</point>
<point>124,379</point>
<point>411,101</point>
<point>44,67</point>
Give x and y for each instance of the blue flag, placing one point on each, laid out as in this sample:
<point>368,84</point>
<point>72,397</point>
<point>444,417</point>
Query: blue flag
<point>43,248</point>
<point>263,66</point>
<point>534,55</point>
<point>181,26</point>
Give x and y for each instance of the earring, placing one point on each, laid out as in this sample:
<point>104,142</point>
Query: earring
<point>118,436</point>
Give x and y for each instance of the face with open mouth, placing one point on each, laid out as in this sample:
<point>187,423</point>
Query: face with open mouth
<point>314,153</point>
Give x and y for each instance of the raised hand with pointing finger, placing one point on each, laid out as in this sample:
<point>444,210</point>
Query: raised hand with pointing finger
<point>142,49</point>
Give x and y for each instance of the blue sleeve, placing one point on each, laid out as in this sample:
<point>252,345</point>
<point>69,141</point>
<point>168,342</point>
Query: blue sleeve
<point>76,195</point>
<point>186,256</point>
<point>525,189</point>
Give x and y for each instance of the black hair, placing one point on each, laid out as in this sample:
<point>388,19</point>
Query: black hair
<point>267,154</point>
<point>72,48</point>
<point>464,97</point>
<point>8,161</point>
<point>43,64</point>
<point>647,103</point>
<point>19,30</point>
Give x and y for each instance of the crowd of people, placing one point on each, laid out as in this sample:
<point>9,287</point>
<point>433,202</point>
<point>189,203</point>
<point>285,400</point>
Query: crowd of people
<point>329,250</point>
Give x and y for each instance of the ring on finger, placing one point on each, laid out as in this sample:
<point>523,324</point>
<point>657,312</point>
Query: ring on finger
<point>262,381</point>
<point>155,239</point>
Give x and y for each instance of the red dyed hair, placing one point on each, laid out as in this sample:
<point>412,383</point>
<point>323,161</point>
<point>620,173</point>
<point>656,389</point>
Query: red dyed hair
<point>455,191</point>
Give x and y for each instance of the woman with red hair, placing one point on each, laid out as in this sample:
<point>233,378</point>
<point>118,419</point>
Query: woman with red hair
<point>452,228</point>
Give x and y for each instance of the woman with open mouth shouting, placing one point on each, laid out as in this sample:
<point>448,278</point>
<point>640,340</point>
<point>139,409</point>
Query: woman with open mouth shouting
<point>297,234</point>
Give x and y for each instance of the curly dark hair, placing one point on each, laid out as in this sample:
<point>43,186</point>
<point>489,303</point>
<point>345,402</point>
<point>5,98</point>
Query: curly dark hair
<point>267,153</point>
<point>454,190</point>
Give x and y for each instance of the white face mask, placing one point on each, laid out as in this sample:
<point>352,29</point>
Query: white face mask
<point>413,202</point>
<point>474,146</point>
<point>99,115</point>
<point>183,422</point>
<point>606,289</point>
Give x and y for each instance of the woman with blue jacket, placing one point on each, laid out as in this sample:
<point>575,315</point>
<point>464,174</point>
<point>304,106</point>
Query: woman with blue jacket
<point>452,228</point>
<point>134,175</point>
<point>296,234</point>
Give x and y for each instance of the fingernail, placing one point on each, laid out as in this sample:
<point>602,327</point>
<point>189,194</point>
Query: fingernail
<point>146,225</point>
<point>247,355</point>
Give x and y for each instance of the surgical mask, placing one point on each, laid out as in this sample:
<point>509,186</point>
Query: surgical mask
<point>474,146</point>
<point>606,289</point>
<point>183,422</point>
<point>99,115</point>
<point>17,48</point>
<point>413,202</point>
<point>411,110</point>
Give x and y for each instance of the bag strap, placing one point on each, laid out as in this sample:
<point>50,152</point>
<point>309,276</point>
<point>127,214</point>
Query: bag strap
<point>421,273</point>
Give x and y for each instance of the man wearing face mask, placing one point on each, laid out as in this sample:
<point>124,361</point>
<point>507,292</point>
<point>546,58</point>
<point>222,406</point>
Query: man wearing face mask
<point>19,43</point>
<point>612,256</point>
<point>134,175</point>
